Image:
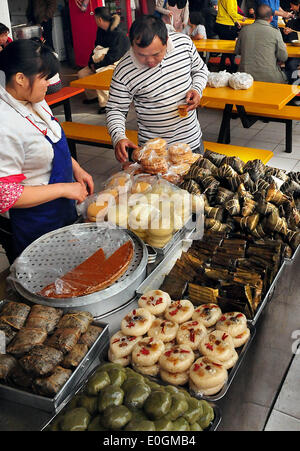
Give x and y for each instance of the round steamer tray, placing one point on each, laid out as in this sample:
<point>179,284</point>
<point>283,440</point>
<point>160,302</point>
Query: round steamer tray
<point>66,248</point>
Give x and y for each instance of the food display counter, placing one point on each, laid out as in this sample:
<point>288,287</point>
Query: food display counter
<point>250,397</point>
<point>246,400</point>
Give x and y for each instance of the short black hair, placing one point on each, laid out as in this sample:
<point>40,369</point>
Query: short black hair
<point>196,18</point>
<point>295,2</point>
<point>179,3</point>
<point>264,12</point>
<point>3,28</point>
<point>104,13</point>
<point>145,28</point>
<point>28,57</point>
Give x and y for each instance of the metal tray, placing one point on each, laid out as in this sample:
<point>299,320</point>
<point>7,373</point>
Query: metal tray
<point>156,277</point>
<point>293,257</point>
<point>213,426</point>
<point>56,403</point>
<point>268,295</point>
<point>56,249</point>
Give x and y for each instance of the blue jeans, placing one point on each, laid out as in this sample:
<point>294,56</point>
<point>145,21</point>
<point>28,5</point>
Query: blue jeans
<point>291,66</point>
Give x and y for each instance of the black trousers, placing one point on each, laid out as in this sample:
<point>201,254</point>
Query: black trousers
<point>6,238</point>
<point>226,32</point>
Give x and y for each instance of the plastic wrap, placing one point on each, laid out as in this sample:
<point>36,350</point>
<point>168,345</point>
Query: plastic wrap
<point>241,80</point>
<point>68,261</point>
<point>218,79</point>
<point>122,181</point>
<point>95,207</point>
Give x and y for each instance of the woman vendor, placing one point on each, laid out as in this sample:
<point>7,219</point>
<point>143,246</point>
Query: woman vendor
<point>39,181</point>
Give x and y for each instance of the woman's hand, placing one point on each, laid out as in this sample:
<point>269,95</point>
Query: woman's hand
<point>75,191</point>
<point>121,152</point>
<point>192,98</point>
<point>83,177</point>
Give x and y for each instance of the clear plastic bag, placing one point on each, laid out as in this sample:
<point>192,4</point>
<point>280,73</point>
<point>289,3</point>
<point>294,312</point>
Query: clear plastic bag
<point>241,80</point>
<point>218,79</point>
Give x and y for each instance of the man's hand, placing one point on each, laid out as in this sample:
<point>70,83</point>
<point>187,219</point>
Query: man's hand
<point>287,15</point>
<point>192,98</point>
<point>121,152</point>
<point>287,30</point>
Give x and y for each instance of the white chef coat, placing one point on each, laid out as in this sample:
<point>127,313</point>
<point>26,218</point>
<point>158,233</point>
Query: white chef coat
<point>24,149</point>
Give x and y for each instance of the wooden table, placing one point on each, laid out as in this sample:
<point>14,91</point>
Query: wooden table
<point>260,95</point>
<point>228,46</point>
<point>99,81</point>
<point>62,97</point>
<point>281,23</point>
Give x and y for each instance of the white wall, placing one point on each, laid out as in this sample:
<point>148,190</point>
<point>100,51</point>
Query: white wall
<point>4,13</point>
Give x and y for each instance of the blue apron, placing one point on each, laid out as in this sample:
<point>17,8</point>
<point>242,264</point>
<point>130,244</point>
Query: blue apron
<point>28,224</point>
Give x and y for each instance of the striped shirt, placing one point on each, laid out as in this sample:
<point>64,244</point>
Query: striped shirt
<point>156,93</point>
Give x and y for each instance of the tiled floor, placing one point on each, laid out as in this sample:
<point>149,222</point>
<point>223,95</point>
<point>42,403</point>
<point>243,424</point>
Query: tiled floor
<point>101,164</point>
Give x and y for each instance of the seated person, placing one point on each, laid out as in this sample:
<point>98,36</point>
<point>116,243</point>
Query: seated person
<point>4,38</point>
<point>292,32</point>
<point>261,61</point>
<point>114,43</point>
<point>195,27</point>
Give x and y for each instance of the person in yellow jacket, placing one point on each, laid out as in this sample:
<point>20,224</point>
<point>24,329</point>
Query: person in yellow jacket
<point>227,27</point>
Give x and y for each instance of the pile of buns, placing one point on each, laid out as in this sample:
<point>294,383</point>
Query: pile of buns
<point>151,207</point>
<point>180,343</point>
<point>172,161</point>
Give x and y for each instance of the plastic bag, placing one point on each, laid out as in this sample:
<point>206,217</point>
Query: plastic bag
<point>218,79</point>
<point>241,80</point>
<point>96,206</point>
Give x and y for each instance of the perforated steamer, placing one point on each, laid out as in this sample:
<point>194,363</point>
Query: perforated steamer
<point>56,253</point>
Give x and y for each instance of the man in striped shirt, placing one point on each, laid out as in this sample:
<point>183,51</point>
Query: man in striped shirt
<point>160,71</point>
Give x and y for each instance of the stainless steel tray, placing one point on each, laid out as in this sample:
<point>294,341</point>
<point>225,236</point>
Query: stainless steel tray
<point>213,426</point>
<point>268,295</point>
<point>293,257</point>
<point>53,405</point>
<point>65,248</point>
<point>156,277</point>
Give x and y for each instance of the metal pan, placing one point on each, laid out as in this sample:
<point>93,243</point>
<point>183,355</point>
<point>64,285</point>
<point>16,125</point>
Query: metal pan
<point>293,257</point>
<point>268,295</point>
<point>54,404</point>
<point>212,427</point>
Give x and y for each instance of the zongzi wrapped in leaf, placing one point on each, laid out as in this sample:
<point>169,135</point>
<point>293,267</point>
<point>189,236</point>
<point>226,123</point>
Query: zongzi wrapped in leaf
<point>26,339</point>
<point>14,314</point>
<point>80,320</point>
<point>7,363</point>
<point>44,317</point>
<point>52,384</point>
<point>64,339</point>
<point>90,336</point>
<point>10,333</point>
<point>74,357</point>
<point>41,360</point>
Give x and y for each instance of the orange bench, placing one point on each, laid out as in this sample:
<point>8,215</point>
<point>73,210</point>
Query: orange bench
<point>62,97</point>
<point>97,135</point>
